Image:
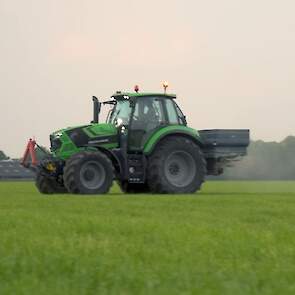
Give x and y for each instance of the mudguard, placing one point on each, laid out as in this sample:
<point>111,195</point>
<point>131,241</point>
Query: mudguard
<point>168,131</point>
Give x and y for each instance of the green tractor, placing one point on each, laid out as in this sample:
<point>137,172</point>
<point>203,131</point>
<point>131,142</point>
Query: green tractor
<point>145,145</point>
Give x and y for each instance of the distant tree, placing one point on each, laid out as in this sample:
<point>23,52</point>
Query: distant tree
<point>266,161</point>
<point>3,156</point>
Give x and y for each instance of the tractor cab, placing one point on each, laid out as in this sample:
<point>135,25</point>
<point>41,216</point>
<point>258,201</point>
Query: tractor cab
<point>143,114</point>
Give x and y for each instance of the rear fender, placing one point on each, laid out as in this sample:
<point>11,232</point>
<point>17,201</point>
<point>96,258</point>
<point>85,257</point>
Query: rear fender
<point>165,132</point>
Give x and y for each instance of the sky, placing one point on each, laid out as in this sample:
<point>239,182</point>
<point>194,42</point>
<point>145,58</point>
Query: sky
<point>230,62</point>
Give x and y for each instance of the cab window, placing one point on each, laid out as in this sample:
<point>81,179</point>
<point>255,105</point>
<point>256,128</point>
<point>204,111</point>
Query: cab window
<point>181,116</point>
<point>148,115</point>
<point>120,113</point>
<point>171,112</point>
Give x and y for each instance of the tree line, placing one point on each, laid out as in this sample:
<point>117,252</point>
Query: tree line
<point>265,161</point>
<point>3,156</point>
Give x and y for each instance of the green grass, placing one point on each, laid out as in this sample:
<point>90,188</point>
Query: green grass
<point>232,238</point>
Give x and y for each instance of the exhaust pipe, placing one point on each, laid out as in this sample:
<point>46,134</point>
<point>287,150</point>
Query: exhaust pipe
<point>96,109</point>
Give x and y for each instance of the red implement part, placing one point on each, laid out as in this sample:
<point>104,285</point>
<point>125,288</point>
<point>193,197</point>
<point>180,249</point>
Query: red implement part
<point>30,151</point>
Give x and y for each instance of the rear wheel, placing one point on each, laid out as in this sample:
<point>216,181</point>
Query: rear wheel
<point>88,173</point>
<point>47,185</point>
<point>176,166</point>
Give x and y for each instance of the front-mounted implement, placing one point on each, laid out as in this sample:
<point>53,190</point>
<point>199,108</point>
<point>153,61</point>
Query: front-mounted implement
<point>30,152</point>
<point>145,145</point>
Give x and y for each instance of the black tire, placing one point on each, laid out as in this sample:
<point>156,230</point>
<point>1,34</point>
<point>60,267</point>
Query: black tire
<point>88,173</point>
<point>134,188</point>
<point>47,185</point>
<point>177,166</point>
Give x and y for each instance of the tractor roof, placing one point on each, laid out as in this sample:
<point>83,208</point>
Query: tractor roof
<point>127,95</point>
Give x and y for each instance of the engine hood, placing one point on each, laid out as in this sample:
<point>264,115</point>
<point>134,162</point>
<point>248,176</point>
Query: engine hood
<point>67,141</point>
<point>91,129</point>
<point>58,133</point>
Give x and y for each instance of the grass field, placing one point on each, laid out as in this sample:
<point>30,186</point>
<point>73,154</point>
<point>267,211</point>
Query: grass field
<point>232,238</point>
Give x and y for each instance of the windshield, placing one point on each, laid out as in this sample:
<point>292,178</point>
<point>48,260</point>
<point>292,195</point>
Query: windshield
<point>120,114</point>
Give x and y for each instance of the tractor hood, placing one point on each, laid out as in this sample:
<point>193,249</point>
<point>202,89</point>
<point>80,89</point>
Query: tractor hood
<point>101,128</point>
<point>65,142</point>
<point>59,133</point>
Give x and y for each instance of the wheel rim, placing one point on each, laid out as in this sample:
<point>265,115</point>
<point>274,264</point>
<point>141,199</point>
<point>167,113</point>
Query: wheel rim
<point>92,175</point>
<point>180,168</point>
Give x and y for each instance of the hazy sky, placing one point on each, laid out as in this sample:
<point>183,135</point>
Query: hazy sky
<point>231,62</point>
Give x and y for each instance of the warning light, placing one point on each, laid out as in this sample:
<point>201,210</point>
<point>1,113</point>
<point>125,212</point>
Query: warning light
<point>165,86</point>
<point>136,88</point>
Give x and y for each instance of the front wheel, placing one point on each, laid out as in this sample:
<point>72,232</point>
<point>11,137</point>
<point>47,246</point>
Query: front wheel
<point>88,173</point>
<point>48,185</point>
<point>176,166</point>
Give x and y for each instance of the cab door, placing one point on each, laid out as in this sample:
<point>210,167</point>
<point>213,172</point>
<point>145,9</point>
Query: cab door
<point>148,116</point>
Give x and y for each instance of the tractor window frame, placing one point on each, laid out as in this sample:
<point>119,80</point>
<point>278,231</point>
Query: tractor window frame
<point>172,117</point>
<point>162,123</point>
<point>163,110</point>
<point>179,116</point>
<point>112,117</point>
